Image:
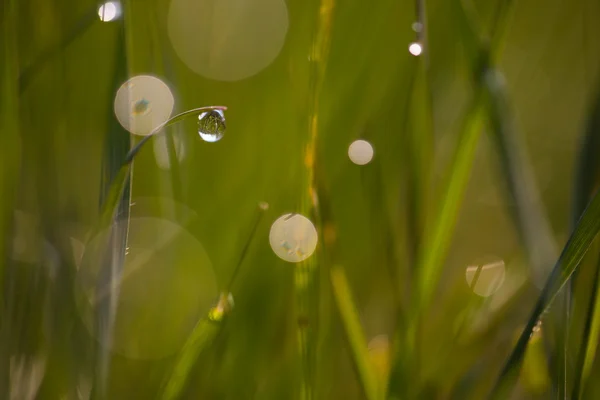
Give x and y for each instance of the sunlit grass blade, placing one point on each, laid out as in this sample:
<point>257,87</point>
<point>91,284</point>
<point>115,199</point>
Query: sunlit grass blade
<point>202,336</point>
<point>578,244</point>
<point>354,333</point>
<point>438,239</point>
<point>208,328</point>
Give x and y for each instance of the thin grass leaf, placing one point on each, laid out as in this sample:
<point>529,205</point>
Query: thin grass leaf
<point>208,328</point>
<point>201,338</point>
<point>586,180</point>
<point>528,212</point>
<point>589,340</point>
<point>438,240</point>
<point>578,244</point>
<point>9,163</point>
<point>354,332</point>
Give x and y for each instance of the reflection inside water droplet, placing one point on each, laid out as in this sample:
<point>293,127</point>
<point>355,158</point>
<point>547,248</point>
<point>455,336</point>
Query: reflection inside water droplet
<point>211,125</point>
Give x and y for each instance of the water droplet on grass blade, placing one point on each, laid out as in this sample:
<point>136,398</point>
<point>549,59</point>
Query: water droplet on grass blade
<point>211,125</point>
<point>223,306</point>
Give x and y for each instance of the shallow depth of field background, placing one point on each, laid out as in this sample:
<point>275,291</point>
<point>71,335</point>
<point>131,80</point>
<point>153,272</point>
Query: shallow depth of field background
<point>191,216</point>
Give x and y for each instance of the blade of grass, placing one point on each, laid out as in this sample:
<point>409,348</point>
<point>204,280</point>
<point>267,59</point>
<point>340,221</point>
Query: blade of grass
<point>586,180</point>
<point>9,164</point>
<point>355,335</point>
<point>438,240</point>
<point>579,242</point>
<point>589,340</point>
<point>528,213</point>
<point>207,329</point>
<point>202,336</point>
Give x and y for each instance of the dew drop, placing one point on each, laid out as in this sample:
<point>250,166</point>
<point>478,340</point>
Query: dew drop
<point>224,306</point>
<point>211,125</point>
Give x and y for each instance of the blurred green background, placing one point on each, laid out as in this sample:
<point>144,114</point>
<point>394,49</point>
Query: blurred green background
<point>346,62</point>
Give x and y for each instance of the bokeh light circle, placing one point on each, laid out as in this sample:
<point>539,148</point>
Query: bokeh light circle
<point>293,237</point>
<point>415,49</point>
<point>167,283</point>
<point>143,103</point>
<point>486,276</point>
<point>227,40</point>
<point>109,11</point>
<point>360,152</point>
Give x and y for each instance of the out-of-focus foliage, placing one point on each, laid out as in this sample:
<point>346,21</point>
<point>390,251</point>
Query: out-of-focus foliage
<point>90,313</point>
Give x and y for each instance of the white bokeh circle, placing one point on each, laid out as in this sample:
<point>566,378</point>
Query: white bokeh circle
<point>227,40</point>
<point>109,11</point>
<point>143,103</point>
<point>360,152</point>
<point>293,237</point>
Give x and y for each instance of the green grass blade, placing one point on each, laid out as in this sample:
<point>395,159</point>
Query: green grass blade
<point>9,163</point>
<point>588,169</point>
<point>202,336</point>
<point>587,350</point>
<point>438,240</point>
<point>586,180</point>
<point>528,213</point>
<point>354,333</point>
<point>578,244</point>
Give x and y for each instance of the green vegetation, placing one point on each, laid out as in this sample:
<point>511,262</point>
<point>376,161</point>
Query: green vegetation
<point>461,262</point>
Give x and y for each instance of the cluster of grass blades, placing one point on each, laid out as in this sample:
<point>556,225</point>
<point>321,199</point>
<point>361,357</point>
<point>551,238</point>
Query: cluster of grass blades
<point>302,332</point>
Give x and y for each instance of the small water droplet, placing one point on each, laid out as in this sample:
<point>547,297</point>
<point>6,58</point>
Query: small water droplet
<point>211,125</point>
<point>224,305</point>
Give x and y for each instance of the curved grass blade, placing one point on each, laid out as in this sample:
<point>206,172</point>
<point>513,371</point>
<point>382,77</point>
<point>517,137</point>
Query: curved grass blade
<point>586,230</point>
<point>356,337</point>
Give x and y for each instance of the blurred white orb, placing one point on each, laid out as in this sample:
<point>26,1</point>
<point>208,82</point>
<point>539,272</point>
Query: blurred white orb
<point>143,103</point>
<point>109,11</point>
<point>227,40</point>
<point>415,49</point>
<point>293,237</point>
<point>486,277</point>
<point>360,152</point>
